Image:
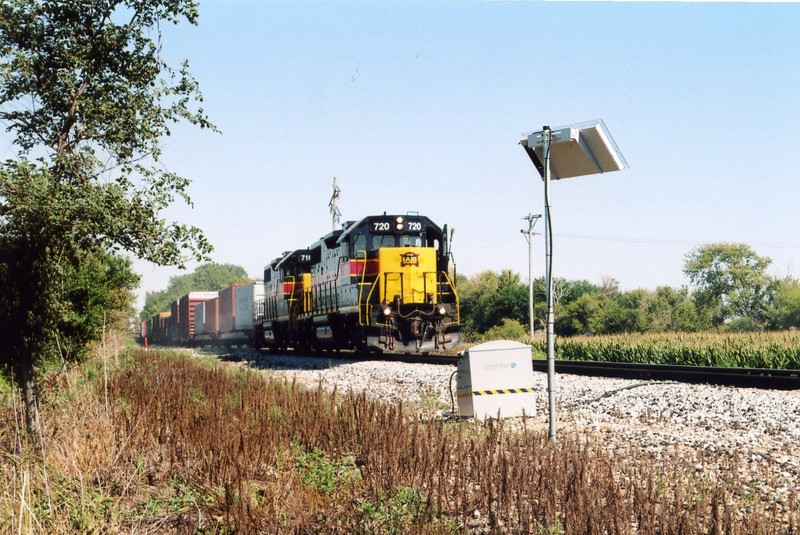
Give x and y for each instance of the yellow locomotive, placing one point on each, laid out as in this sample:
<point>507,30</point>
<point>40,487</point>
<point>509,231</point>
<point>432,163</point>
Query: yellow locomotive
<point>383,283</point>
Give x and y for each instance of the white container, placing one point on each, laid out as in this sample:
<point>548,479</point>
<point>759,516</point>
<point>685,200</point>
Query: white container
<point>496,378</point>
<point>245,298</point>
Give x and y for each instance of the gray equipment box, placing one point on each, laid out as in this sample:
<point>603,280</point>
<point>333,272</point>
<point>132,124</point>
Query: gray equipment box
<point>496,378</point>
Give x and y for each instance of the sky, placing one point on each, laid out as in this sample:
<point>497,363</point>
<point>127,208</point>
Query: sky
<point>420,106</point>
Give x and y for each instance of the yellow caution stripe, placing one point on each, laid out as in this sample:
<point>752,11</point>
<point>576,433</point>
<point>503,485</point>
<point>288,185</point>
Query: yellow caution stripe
<point>493,392</point>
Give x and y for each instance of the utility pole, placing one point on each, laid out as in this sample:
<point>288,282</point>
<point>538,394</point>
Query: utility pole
<point>529,234</point>
<point>336,214</point>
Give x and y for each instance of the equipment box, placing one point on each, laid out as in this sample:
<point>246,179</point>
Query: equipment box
<point>496,377</point>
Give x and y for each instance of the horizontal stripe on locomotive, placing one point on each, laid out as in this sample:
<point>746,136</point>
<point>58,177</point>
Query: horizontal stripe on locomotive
<point>493,392</point>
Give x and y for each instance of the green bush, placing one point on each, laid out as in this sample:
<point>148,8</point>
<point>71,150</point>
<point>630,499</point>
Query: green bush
<point>509,329</point>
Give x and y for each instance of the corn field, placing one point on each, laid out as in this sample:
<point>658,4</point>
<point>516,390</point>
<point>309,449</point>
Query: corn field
<point>780,350</point>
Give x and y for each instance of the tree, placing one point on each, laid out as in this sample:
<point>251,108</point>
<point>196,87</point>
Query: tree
<point>621,313</point>
<point>206,278</point>
<point>785,311</point>
<point>87,100</point>
<point>731,282</point>
<point>574,303</point>
<point>510,302</point>
<point>489,297</point>
<point>672,310</point>
<point>95,295</point>
<point>576,317</point>
<point>475,295</point>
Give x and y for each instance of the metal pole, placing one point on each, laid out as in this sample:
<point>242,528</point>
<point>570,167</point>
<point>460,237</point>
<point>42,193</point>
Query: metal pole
<point>530,273</point>
<point>529,234</point>
<point>548,241</point>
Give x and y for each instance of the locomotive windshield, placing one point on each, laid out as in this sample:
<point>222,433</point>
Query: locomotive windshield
<point>377,242</point>
<point>377,232</point>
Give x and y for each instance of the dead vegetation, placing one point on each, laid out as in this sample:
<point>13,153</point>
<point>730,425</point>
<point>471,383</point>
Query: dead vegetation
<point>189,447</point>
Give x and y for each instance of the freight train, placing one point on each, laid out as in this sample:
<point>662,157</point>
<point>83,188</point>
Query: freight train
<point>382,283</point>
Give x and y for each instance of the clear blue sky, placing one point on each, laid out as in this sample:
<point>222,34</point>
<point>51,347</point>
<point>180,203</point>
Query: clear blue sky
<point>419,106</point>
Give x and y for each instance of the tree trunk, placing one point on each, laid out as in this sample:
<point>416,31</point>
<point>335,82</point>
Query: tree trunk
<point>27,379</point>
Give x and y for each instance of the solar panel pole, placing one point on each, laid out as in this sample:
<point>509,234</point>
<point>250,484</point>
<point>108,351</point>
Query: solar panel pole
<point>580,149</point>
<point>550,321</point>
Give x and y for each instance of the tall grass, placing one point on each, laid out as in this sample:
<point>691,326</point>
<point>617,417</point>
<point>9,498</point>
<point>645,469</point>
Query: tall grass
<point>744,350</point>
<point>188,447</point>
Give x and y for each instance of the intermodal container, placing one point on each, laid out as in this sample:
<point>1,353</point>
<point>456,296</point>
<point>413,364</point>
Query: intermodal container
<point>199,318</point>
<point>227,310</point>
<point>186,311</point>
<point>211,316</point>
<point>174,322</point>
<point>246,297</point>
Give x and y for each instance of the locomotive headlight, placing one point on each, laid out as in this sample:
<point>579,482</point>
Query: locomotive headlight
<point>442,311</point>
<point>387,311</point>
<point>399,223</point>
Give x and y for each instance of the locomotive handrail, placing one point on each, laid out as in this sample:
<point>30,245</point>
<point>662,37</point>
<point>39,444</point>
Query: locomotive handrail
<point>324,297</point>
<point>361,286</point>
<point>366,304</point>
<point>455,295</point>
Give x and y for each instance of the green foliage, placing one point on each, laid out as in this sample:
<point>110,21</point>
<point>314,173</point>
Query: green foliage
<point>206,278</point>
<point>87,101</point>
<point>582,308</point>
<point>99,100</point>
<point>95,295</point>
<point>731,282</point>
<point>326,475</point>
<point>508,329</point>
<point>606,310</point>
<point>577,317</point>
<point>180,498</point>
<point>87,513</point>
<point>489,297</point>
<point>396,512</point>
<point>557,529</point>
<point>785,310</point>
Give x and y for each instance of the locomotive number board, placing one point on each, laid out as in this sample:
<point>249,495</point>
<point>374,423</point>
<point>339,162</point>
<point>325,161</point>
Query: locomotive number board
<point>395,225</point>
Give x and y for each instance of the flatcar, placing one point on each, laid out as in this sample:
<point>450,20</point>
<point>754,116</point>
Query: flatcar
<point>382,283</point>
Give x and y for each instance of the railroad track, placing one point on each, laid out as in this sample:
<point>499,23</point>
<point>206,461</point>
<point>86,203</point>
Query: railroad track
<point>739,377</point>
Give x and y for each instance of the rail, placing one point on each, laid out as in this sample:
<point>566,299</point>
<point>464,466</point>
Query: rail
<point>762,378</point>
<point>739,377</point>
